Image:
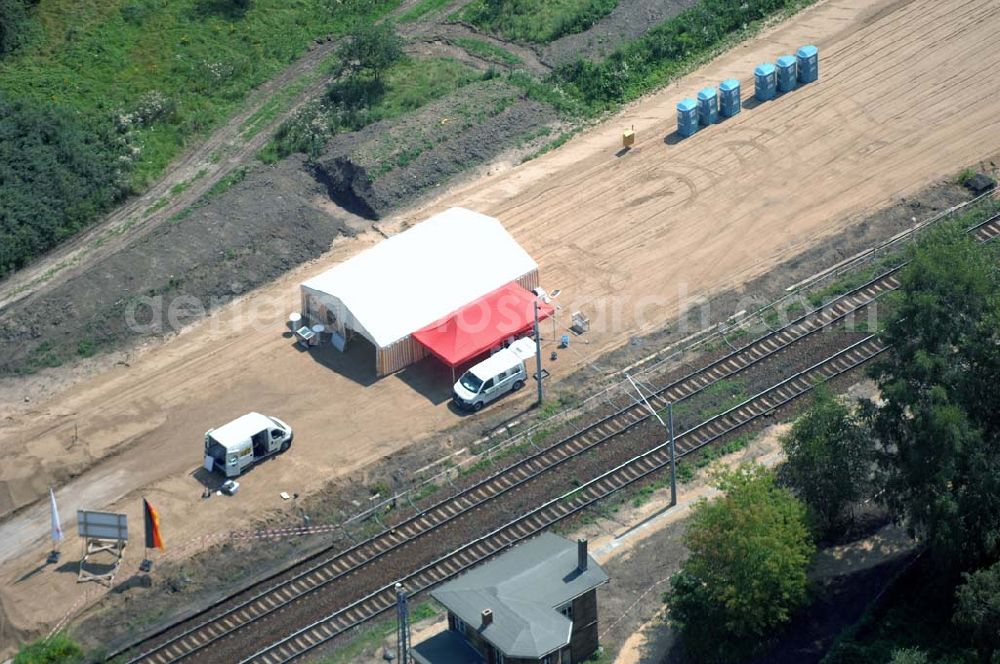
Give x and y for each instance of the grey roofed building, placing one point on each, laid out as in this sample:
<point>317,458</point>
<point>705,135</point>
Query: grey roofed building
<point>525,594</point>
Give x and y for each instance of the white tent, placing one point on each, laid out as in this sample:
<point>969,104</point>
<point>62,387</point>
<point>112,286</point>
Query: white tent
<point>415,278</point>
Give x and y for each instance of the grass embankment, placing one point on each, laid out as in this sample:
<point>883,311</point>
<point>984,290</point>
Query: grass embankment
<point>407,86</point>
<point>532,21</point>
<point>98,97</point>
<point>200,56</point>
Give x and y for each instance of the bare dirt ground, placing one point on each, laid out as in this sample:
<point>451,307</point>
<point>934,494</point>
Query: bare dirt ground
<point>661,226</point>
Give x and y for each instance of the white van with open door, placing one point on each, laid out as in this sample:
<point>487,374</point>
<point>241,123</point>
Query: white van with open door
<point>234,447</point>
<point>495,376</point>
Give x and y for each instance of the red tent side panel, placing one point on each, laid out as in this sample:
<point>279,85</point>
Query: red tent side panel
<point>483,324</point>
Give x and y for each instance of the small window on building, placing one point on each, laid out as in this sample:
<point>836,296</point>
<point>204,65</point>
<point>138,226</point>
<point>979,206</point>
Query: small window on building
<point>547,659</point>
<point>567,610</point>
<point>459,625</point>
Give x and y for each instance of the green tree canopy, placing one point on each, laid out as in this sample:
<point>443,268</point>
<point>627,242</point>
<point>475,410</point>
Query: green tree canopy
<point>830,456</point>
<point>15,24</point>
<point>939,420</point>
<point>746,573</point>
<point>977,611</point>
<point>370,49</point>
<point>56,175</point>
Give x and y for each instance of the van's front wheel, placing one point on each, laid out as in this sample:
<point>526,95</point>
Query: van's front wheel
<point>478,406</point>
<point>285,445</point>
<point>518,384</point>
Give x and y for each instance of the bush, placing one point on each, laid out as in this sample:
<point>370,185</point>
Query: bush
<point>56,174</point>
<point>16,27</point>
<point>58,649</point>
<point>539,22</point>
<point>661,52</point>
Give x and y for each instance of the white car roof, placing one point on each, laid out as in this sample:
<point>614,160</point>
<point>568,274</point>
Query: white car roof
<point>234,433</point>
<point>499,361</point>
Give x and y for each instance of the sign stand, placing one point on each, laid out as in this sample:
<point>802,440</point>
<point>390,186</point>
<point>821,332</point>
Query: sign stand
<point>93,546</point>
<point>102,533</point>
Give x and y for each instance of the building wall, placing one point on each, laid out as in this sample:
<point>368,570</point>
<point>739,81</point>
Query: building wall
<point>481,645</point>
<point>399,355</point>
<point>583,640</point>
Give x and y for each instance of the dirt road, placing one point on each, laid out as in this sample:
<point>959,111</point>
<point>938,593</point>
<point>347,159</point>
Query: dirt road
<point>906,96</point>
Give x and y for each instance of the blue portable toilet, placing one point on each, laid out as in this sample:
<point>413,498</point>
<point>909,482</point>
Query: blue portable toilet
<point>765,81</point>
<point>687,117</point>
<point>787,73</point>
<point>708,106</point>
<point>729,97</point>
<point>808,62</point>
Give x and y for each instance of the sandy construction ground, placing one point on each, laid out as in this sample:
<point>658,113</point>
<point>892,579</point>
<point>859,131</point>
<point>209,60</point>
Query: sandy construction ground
<point>908,94</point>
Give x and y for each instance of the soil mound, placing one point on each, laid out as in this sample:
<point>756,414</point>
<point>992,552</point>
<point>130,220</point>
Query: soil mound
<point>388,164</point>
<point>259,228</point>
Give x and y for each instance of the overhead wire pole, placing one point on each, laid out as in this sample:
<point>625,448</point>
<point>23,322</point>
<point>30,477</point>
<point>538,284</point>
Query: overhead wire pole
<point>538,355</point>
<point>402,625</point>
<point>670,429</point>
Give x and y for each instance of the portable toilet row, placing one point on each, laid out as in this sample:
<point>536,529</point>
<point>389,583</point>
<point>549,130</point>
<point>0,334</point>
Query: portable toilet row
<point>790,71</point>
<point>708,107</point>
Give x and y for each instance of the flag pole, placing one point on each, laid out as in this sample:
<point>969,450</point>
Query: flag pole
<point>57,533</point>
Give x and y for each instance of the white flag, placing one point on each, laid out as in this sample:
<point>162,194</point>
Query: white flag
<point>57,533</point>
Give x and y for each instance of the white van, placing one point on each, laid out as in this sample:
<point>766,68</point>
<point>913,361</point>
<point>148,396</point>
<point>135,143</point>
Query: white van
<point>493,377</point>
<point>234,447</point>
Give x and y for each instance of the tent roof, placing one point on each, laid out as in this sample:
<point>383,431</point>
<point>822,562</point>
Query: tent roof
<point>423,274</point>
<point>483,324</point>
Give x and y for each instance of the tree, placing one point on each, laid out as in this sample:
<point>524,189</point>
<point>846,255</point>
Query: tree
<point>977,611</point>
<point>940,418</point>
<point>830,454</point>
<point>369,50</point>
<point>746,574</point>
<point>15,24</point>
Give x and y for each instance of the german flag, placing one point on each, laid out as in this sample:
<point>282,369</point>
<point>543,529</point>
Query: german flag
<point>152,518</point>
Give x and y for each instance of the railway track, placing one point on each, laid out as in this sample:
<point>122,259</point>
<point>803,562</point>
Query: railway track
<point>315,635</point>
<point>321,570</point>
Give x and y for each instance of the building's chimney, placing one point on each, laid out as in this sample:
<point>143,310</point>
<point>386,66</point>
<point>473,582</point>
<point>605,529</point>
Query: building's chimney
<point>581,554</point>
<point>487,617</point>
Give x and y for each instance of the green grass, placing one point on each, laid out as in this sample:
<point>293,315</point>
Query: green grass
<point>160,203</point>
<point>276,104</point>
<point>58,648</point>
<point>227,181</point>
<point>488,51</point>
<point>487,461</point>
<point>408,85</point>
<point>428,489</point>
<point>532,21</point>
<point>421,9</point>
<point>196,58</point>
